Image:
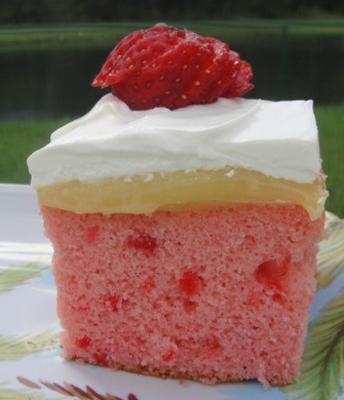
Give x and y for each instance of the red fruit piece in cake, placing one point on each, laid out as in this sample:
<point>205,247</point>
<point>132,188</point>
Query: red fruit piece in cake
<point>271,273</point>
<point>190,283</point>
<point>143,242</point>
<point>101,359</point>
<point>83,342</point>
<point>170,67</point>
<point>91,234</point>
<point>168,356</point>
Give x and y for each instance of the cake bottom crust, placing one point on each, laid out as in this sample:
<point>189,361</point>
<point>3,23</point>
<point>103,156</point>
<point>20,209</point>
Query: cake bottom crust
<point>182,376</point>
<point>170,373</point>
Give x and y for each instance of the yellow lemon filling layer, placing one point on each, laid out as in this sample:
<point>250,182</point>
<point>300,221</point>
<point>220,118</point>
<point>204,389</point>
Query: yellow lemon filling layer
<point>181,190</point>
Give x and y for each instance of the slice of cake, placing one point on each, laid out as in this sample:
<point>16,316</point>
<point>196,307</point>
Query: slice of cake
<point>184,235</point>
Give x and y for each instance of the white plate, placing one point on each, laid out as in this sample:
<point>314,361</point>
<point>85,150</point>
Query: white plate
<point>30,363</point>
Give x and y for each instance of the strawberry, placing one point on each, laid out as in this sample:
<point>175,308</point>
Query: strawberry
<point>169,67</point>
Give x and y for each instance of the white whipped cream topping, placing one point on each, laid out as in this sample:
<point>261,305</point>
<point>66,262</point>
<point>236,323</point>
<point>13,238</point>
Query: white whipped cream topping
<point>279,139</point>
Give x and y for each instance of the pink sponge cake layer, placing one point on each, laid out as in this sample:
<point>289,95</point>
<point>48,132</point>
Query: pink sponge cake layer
<point>214,295</point>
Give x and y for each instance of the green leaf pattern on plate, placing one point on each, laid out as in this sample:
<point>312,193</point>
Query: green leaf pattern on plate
<point>323,364</point>
<point>13,394</point>
<point>15,347</point>
<point>330,260</point>
<point>14,276</point>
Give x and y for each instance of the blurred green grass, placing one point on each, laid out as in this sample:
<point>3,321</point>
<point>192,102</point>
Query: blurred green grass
<point>21,138</point>
<point>331,128</point>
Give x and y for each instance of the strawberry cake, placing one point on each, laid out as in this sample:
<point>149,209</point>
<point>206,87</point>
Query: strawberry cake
<point>184,218</point>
